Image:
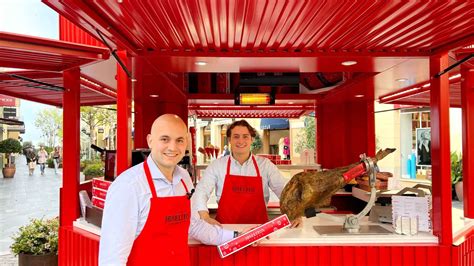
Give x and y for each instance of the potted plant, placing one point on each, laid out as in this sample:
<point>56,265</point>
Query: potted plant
<point>9,146</point>
<point>37,243</point>
<point>456,174</point>
<point>93,170</point>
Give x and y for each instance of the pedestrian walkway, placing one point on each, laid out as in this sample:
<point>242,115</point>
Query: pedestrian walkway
<point>24,197</point>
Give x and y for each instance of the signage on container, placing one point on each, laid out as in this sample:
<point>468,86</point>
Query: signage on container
<point>7,100</point>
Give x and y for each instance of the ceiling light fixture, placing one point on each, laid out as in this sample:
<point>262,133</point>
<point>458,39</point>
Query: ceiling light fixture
<point>349,63</point>
<point>200,63</point>
<point>154,95</point>
<point>454,76</point>
<point>359,95</point>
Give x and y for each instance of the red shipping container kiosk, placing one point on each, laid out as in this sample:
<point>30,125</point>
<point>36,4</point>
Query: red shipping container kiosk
<point>187,58</point>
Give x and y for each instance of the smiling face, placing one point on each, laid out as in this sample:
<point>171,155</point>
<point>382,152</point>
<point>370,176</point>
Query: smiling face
<point>240,141</point>
<point>167,141</point>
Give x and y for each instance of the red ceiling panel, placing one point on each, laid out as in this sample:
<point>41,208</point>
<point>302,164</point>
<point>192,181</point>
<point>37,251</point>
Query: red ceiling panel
<point>26,52</point>
<point>273,26</point>
<point>419,94</point>
<point>247,113</point>
<point>278,35</point>
<point>92,91</point>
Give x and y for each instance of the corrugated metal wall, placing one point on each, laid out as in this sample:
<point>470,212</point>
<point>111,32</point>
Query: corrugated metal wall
<point>78,247</point>
<point>71,33</point>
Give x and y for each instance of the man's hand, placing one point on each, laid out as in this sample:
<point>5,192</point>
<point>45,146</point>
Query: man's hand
<point>297,222</point>
<point>205,216</point>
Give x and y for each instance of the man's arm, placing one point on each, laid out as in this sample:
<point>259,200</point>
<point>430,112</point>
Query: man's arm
<point>119,224</point>
<point>203,191</point>
<point>206,233</point>
<point>276,181</point>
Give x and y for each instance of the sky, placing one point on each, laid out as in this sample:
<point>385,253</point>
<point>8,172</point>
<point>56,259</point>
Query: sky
<point>29,17</point>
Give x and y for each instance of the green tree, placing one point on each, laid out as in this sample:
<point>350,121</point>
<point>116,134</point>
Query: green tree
<point>307,138</point>
<point>9,146</point>
<point>49,122</point>
<point>94,117</point>
<point>256,144</point>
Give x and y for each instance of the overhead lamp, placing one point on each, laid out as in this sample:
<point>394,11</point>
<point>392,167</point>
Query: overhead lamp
<point>254,99</point>
<point>200,63</point>
<point>349,63</point>
<point>154,95</point>
<point>359,95</point>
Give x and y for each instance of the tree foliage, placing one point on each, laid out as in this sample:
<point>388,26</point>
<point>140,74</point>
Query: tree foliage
<point>256,144</point>
<point>49,122</point>
<point>456,167</point>
<point>9,146</point>
<point>94,117</point>
<point>307,138</point>
<point>39,237</point>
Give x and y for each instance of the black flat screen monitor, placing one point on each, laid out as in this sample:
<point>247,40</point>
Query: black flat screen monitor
<point>139,156</point>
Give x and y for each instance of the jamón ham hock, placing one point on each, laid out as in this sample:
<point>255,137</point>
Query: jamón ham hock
<point>311,189</point>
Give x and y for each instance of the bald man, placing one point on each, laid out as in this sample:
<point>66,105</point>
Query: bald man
<point>147,216</point>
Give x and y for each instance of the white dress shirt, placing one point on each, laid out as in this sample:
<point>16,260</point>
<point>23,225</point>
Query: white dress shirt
<point>127,206</point>
<point>214,177</point>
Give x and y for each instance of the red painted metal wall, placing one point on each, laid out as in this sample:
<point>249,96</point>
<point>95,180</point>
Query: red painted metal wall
<point>467,99</point>
<point>71,33</point>
<point>345,125</point>
<point>156,93</point>
<point>78,247</point>
<point>81,248</point>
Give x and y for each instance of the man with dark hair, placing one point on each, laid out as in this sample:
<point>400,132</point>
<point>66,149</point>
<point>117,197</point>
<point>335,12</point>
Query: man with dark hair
<point>242,181</point>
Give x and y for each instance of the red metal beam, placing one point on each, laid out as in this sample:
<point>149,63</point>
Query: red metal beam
<point>124,117</point>
<point>18,42</point>
<point>28,52</point>
<point>29,98</point>
<point>440,151</point>
<point>96,86</point>
<point>468,40</point>
<point>415,89</point>
<point>69,207</point>
<point>467,102</point>
<point>202,107</point>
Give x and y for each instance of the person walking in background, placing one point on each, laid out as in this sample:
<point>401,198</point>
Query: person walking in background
<point>42,158</point>
<point>31,158</point>
<point>56,157</point>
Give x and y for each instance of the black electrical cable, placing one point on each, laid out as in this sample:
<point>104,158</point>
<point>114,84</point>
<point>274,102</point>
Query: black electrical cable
<point>114,54</point>
<point>454,65</point>
<point>48,85</point>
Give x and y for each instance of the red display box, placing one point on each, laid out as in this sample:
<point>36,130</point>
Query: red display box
<point>99,203</point>
<point>99,193</point>
<point>253,236</point>
<point>101,183</point>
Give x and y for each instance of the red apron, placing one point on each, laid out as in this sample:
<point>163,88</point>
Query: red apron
<point>242,200</point>
<point>164,238</point>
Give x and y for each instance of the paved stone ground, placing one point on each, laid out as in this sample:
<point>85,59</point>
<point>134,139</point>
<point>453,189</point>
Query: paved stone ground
<point>22,198</point>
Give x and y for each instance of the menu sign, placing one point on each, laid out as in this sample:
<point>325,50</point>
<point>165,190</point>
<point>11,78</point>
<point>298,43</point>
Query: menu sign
<point>7,100</point>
